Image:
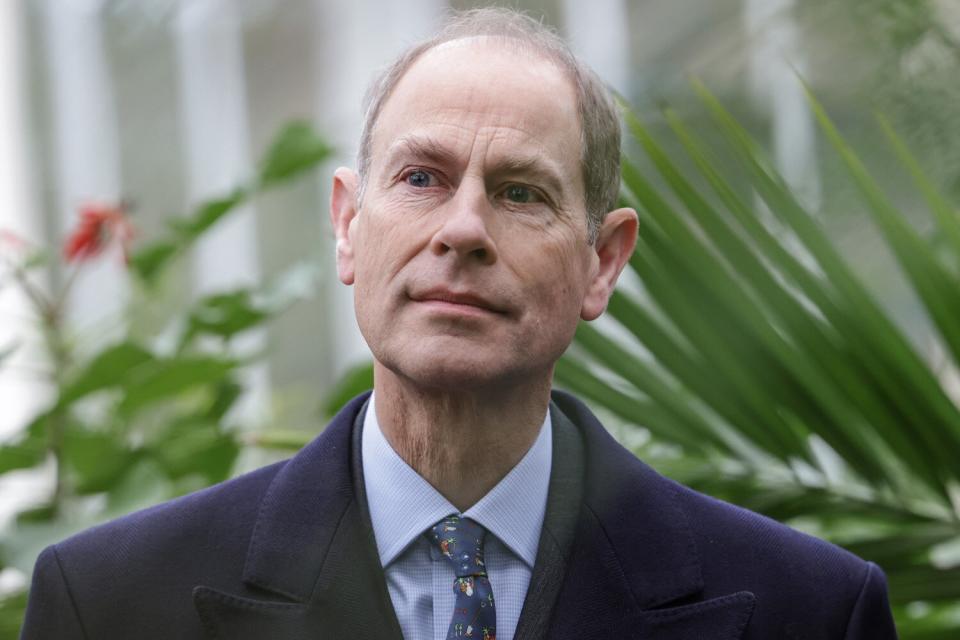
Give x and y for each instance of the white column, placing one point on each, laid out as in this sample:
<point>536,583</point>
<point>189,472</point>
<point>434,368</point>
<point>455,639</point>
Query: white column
<point>776,57</point>
<point>86,155</point>
<point>209,48</point>
<point>354,40</point>
<point>599,34</point>
<point>22,393</point>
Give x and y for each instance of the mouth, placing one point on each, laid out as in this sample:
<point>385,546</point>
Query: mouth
<point>442,299</point>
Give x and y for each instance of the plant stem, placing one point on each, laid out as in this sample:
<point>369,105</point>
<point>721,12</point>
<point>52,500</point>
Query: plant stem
<point>59,354</point>
<point>49,312</point>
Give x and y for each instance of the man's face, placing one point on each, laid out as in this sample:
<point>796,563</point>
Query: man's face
<point>469,257</point>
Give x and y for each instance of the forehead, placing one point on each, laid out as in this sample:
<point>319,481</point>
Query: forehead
<point>489,91</point>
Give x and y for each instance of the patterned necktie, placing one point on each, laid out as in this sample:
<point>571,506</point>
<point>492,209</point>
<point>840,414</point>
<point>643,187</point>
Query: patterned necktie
<point>461,542</point>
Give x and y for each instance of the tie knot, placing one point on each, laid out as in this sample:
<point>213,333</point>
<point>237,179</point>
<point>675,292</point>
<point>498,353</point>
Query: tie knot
<point>461,542</point>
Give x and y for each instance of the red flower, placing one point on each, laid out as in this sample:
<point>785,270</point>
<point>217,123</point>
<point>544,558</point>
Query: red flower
<point>100,226</point>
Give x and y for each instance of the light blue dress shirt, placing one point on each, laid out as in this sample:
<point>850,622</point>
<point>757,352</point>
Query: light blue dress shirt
<point>403,506</point>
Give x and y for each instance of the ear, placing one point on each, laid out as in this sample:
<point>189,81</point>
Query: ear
<point>615,244</point>
<point>343,211</point>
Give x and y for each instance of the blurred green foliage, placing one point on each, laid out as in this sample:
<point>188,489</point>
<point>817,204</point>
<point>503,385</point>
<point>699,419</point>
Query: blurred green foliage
<point>136,422</point>
<point>897,56</point>
<point>767,374</point>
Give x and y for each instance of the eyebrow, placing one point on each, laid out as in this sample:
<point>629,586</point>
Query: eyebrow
<point>428,149</point>
<point>421,147</point>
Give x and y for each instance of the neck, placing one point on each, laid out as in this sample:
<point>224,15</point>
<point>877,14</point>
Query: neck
<point>461,442</point>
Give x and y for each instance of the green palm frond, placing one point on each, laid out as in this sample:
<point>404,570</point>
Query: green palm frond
<point>778,377</point>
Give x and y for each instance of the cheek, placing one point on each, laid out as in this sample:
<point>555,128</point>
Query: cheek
<point>382,248</point>
<point>554,275</point>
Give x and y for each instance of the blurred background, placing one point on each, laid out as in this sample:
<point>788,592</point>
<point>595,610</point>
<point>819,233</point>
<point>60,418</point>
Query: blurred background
<point>197,138</point>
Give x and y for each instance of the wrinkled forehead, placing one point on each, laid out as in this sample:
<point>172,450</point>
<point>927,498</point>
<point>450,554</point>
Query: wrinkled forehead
<point>484,82</point>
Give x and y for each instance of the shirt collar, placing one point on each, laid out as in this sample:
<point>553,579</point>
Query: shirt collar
<point>403,505</point>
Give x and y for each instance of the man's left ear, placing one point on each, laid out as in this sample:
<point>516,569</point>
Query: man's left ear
<point>614,245</point>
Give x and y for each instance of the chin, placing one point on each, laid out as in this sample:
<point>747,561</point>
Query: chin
<point>451,374</point>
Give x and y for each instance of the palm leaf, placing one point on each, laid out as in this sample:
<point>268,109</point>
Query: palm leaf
<point>786,386</point>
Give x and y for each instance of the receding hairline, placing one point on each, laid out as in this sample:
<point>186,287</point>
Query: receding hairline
<point>520,44</point>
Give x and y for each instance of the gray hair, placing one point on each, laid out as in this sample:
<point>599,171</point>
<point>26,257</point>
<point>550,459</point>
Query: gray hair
<point>599,122</point>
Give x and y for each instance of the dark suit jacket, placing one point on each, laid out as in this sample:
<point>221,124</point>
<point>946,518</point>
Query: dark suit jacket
<point>287,553</point>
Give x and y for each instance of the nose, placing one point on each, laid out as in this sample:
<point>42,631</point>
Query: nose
<point>465,230</point>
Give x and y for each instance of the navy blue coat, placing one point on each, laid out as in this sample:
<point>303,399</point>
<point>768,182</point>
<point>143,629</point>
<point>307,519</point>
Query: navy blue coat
<point>286,553</point>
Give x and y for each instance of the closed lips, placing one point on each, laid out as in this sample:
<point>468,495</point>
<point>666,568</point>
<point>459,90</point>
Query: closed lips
<point>442,295</point>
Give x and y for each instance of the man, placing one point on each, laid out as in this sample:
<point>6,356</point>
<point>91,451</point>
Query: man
<point>459,501</point>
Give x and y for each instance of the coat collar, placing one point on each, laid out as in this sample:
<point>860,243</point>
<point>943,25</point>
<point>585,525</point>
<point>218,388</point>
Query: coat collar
<point>634,557</point>
<point>311,555</point>
<point>638,513</point>
<point>306,505</point>
<point>631,569</point>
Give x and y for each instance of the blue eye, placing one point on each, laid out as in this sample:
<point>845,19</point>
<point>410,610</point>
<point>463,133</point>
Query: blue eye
<point>418,178</point>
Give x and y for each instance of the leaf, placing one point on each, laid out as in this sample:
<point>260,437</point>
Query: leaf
<point>164,379</point>
<point>690,427</point>
<point>226,314</point>
<point>924,583</point>
<point>13,607</point>
<point>195,447</point>
<point>572,375</point>
<point>296,149</point>
<point>813,396</point>
<point>353,382</point>
<point>751,321</point>
<point>98,460</point>
<point>112,367</point>
<point>835,364</point>
<point>934,285</point>
<point>41,514</point>
<point>149,261</point>
<point>928,420</point>
<point>225,396</point>
<point>205,216</point>
<point>144,484</point>
<point>21,456</point>
<point>298,282</point>
<point>946,215</point>
<point>30,449</point>
<point>280,439</point>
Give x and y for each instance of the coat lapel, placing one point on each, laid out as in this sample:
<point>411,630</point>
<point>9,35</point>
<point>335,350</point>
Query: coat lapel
<point>629,570</point>
<point>559,525</point>
<point>311,568</point>
<point>634,569</point>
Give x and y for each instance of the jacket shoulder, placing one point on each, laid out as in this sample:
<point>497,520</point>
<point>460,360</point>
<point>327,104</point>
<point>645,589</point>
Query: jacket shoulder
<point>202,536</point>
<point>136,575</point>
<point>799,580</point>
<point>216,511</point>
<point>725,530</point>
<point>143,566</point>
